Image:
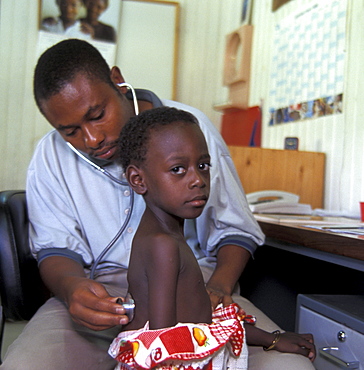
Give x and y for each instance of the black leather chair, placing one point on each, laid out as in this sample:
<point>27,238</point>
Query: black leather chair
<point>21,289</point>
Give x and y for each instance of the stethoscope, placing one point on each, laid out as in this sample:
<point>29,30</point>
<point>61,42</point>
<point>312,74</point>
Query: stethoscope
<point>117,181</point>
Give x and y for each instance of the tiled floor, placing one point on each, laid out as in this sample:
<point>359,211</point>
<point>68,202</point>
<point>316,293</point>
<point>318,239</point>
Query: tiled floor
<point>11,331</point>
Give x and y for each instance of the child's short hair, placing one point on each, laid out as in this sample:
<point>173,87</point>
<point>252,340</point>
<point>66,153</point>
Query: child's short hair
<point>135,134</point>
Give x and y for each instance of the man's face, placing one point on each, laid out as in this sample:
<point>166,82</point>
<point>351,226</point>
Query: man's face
<point>89,115</point>
<point>177,171</point>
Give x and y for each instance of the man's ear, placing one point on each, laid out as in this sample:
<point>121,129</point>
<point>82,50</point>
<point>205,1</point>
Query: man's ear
<point>117,78</point>
<point>135,178</point>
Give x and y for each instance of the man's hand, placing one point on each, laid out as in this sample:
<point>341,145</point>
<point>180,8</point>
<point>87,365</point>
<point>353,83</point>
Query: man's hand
<point>217,296</point>
<point>90,305</point>
<point>231,261</point>
<point>88,302</point>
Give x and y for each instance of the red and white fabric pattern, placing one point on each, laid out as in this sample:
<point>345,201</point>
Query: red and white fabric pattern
<point>186,346</point>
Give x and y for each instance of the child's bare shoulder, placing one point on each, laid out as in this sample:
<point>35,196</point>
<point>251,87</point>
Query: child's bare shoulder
<point>164,241</point>
<point>160,246</point>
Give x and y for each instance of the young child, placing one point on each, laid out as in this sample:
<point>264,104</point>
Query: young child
<point>67,23</point>
<point>100,30</point>
<point>166,160</point>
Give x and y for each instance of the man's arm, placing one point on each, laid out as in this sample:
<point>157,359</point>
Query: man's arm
<point>88,302</point>
<point>231,261</point>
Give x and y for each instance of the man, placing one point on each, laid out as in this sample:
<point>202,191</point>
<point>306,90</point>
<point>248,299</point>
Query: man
<point>75,213</point>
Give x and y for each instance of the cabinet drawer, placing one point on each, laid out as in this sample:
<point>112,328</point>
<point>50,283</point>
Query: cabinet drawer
<point>338,346</point>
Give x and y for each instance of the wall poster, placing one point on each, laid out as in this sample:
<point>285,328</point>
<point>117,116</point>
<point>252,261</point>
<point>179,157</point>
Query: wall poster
<point>96,21</point>
<point>139,36</point>
<point>307,75</point>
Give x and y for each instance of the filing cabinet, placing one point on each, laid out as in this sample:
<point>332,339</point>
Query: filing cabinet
<point>337,323</point>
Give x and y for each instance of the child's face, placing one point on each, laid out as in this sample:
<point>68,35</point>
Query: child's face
<point>177,170</point>
<point>69,9</point>
<point>95,8</point>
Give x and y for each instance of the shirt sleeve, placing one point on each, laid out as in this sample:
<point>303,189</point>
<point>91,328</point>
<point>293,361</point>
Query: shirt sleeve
<point>53,228</point>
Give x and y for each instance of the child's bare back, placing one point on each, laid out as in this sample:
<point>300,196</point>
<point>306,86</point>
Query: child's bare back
<point>164,277</point>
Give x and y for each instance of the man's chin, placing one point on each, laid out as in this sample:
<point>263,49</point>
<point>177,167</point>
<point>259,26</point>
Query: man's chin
<point>110,155</point>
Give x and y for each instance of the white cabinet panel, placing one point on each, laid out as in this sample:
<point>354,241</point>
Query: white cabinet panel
<point>338,337</point>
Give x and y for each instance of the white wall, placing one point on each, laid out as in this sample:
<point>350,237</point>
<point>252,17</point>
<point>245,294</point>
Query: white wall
<point>204,24</point>
<point>21,125</point>
<point>339,136</point>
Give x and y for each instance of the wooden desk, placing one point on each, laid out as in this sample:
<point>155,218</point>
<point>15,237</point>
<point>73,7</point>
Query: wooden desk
<point>342,249</point>
<point>295,171</point>
<point>300,260</point>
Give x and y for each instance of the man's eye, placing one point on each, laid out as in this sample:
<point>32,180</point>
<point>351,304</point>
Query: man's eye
<point>179,170</point>
<point>99,116</point>
<point>71,133</point>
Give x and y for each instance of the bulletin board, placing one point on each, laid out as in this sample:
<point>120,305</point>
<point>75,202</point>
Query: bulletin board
<point>307,71</point>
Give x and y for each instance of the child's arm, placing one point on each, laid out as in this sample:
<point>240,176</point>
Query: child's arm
<point>289,342</point>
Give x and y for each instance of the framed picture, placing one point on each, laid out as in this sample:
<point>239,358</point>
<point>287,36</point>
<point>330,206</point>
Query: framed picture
<point>89,19</point>
<point>145,43</point>
<point>96,21</point>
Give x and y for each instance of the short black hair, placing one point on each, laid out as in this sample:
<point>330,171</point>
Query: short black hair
<point>59,65</point>
<point>135,134</point>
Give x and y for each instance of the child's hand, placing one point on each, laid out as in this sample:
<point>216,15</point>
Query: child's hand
<point>297,343</point>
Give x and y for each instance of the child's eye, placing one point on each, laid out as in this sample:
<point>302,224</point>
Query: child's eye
<point>204,166</point>
<point>179,170</point>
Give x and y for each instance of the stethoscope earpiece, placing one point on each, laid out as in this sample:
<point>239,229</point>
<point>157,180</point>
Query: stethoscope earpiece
<point>135,101</point>
<point>122,84</point>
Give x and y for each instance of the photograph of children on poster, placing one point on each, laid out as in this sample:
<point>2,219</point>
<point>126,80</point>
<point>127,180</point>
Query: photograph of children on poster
<point>96,21</point>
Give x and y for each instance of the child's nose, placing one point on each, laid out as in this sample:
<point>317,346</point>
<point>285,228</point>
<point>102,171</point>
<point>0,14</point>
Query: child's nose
<point>197,179</point>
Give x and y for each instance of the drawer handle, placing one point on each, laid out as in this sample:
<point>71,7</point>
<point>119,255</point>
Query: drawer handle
<point>326,352</point>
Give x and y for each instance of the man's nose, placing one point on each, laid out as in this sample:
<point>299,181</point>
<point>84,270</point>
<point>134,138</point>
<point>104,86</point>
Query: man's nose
<point>92,137</point>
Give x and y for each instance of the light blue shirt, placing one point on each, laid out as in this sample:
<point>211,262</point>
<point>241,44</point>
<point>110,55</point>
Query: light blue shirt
<point>75,210</point>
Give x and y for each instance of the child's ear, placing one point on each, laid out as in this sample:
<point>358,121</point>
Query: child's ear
<point>135,178</point>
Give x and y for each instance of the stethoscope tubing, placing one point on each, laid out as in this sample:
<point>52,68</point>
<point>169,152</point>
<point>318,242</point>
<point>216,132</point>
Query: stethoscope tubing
<point>116,180</point>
